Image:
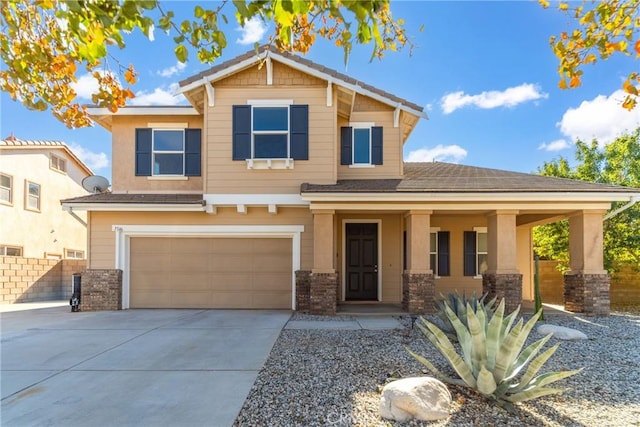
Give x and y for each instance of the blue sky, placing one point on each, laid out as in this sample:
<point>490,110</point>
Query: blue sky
<point>483,70</point>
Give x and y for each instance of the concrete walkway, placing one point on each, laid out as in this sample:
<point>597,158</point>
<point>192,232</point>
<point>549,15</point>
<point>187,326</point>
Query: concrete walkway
<point>133,367</point>
<point>360,322</point>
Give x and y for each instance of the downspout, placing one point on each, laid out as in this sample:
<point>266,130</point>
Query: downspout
<point>73,214</point>
<point>632,201</point>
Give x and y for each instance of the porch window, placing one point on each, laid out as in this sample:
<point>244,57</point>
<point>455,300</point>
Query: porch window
<point>475,252</point>
<point>439,252</point>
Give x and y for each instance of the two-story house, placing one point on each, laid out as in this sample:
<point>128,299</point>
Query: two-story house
<point>283,186</point>
<point>34,176</point>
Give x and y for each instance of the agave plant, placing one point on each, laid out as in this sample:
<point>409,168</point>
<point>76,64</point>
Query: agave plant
<point>492,360</point>
<point>458,304</point>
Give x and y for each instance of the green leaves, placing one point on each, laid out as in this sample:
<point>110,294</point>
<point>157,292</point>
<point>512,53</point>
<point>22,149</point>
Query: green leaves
<point>492,355</point>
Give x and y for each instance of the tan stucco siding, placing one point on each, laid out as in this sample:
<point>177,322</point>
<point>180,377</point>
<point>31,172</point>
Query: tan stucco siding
<point>49,231</point>
<point>123,147</point>
<point>226,176</point>
<point>391,259</point>
<point>102,243</point>
<point>525,265</point>
<point>391,166</point>
<point>456,226</point>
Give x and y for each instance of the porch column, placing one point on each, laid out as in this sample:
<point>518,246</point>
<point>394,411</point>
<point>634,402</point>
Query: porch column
<point>418,284</point>
<point>323,281</point>
<point>502,278</point>
<point>586,284</point>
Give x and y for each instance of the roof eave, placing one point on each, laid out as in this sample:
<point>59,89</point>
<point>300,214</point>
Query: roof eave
<point>133,207</point>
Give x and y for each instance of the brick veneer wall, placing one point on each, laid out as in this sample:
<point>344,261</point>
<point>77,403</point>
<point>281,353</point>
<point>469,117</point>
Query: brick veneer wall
<point>418,293</point>
<point>587,293</point>
<point>101,290</point>
<point>36,279</point>
<point>507,286</point>
<point>323,289</point>
<point>303,281</point>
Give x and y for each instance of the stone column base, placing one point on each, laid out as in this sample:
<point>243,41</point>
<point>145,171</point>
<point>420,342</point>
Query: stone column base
<point>587,293</point>
<point>504,286</point>
<point>101,290</point>
<point>303,279</point>
<point>418,293</point>
<point>323,289</point>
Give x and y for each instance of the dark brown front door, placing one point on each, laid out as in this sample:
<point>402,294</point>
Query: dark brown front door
<point>362,261</point>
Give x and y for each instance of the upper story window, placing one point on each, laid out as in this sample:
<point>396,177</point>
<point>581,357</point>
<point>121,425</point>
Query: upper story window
<point>475,252</point>
<point>6,188</point>
<point>58,163</point>
<point>270,129</point>
<point>168,152</point>
<point>10,250</point>
<point>361,145</point>
<point>32,196</point>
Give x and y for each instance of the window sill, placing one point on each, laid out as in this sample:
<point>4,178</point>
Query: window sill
<point>362,166</point>
<point>269,163</point>
<point>5,203</point>
<point>168,178</point>
<point>478,276</point>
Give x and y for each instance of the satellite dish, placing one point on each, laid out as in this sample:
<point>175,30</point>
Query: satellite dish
<point>95,184</point>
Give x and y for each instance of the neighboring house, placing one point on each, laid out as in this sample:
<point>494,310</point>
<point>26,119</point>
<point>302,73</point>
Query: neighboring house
<point>34,177</point>
<point>283,186</point>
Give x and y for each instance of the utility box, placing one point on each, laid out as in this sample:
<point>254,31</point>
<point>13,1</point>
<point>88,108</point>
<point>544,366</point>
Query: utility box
<point>76,284</point>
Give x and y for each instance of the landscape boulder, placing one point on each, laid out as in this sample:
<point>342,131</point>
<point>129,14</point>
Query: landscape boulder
<point>422,398</point>
<point>561,332</point>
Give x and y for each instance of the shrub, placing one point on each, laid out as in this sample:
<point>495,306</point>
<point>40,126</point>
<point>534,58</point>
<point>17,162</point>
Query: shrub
<point>492,359</point>
<point>458,304</point>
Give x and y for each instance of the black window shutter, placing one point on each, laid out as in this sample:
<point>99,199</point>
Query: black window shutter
<point>346,134</point>
<point>470,253</point>
<point>299,132</point>
<point>376,145</point>
<point>443,253</point>
<point>192,152</point>
<point>143,151</point>
<point>241,132</point>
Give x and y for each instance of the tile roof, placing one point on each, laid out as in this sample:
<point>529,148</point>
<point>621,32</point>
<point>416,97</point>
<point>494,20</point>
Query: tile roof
<point>305,62</point>
<point>14,143</point>
<point>168,199</point>
<point>439,177</point>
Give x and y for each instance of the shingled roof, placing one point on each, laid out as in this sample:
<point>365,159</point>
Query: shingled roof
<point>439,177</point>
<point>330,73</point>
<point>152,199</point>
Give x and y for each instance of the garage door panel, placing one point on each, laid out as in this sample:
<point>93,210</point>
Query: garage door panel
<point>210,273</point>
<point>172,299</point>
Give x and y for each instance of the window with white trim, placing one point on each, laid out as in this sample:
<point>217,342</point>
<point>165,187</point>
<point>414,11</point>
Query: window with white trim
<point>481,251</point>
<point>168,152</point>
<point>6,188</point>
<point>361,149</point>
<point>32,196</point>
<point>439,252</point>
<point>6,250</point>
<point>475,252</point>
<point>57,163</point>
<point>270,132</point>
<point>361,144</point>
<point>73,254</point>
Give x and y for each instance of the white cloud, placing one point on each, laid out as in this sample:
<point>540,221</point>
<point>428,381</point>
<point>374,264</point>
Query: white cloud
<point>557,145</point>
<point>602,118</point>
<point>173,70</point>
<point>509,97</point>
<point>252,32</point>
<point>92,159</point>
<point>443,153</point>
<point>86,86</point>
<point>159,96</point>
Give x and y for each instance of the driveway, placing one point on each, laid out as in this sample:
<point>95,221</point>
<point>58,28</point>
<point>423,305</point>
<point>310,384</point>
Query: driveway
<point>133,367</point>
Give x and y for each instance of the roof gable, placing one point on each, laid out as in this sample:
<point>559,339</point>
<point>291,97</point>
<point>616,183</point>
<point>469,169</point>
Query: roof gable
<point>30,144</point>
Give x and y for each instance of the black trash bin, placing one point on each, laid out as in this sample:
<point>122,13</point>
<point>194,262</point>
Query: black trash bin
<point>76,283</point>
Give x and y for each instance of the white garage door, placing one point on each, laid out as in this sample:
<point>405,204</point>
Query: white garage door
<point>210,272</point>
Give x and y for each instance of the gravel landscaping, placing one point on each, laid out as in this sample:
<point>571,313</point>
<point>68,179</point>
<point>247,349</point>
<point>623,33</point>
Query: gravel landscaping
<point>334,378</point>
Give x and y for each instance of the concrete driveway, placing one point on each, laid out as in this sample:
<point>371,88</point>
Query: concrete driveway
<point>133,367</point>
